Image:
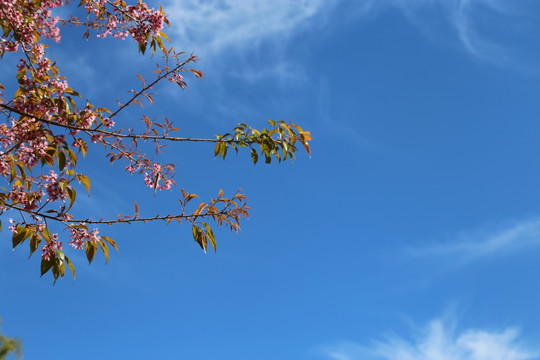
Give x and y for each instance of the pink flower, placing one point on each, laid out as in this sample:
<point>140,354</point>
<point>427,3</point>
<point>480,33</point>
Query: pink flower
<point>108,123</point>
<point>130,169</point>
<point>80,236</point>
<point>95,138</point>
<point>176,78</point>
<point>50,248</point>
<point>54,191</point>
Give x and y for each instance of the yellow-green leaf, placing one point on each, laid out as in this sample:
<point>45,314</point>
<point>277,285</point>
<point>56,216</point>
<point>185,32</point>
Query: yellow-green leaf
<point>70,266</point>
<point>34,243</point>
<point>85,181</point>
<point>105,249</point>
<point>46,265</point>
<point>20,236</point>
<point>210,235</point>
<point>110,241</point>
<point>90,249</point>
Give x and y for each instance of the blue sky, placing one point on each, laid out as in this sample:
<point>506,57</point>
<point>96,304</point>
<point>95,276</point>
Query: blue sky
<point>413,232</point>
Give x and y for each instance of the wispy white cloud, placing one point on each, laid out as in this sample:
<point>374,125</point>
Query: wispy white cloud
<point>474,22</point>
<point>438,340</point>
<point>267,42</point>
<point>225,27</point>
<point>232,34</point>
<point>486,241</point>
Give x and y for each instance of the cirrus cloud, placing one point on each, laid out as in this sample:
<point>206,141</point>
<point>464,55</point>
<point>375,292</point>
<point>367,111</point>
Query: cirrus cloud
<point>438,340</point>
<point>226,26</point>
<point>485,242</point>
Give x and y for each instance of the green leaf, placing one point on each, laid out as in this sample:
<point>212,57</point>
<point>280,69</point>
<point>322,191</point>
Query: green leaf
<point>72,156</point>
<point>254,156</point>
<point>286,148</point>
<point>223,150</point>
<point>268,158</point>
<point>34,243</point>
<point>46,265</point>
<point>20,236</point>
<point>13,173</point>
<point>61,160</point>
<point>55,269</point>
<point>83,147</point>
<point>210,235</point>
<point>85,180</point>
<point>90,249</point>
<point>110,241</point>
<point>199,237</point>
<point>72,92</point>
<point>162,34</point>
<point>276,154</point>
<point>60,254</point>
<point>62,268</point>
<point>72,195</point>
<point>46,234</point>
<point>66,107</point>
<point>142,48</point>
<point>160,43</point>
<point>70,266</point>
<point>105,249</point>
<point>21,171</point>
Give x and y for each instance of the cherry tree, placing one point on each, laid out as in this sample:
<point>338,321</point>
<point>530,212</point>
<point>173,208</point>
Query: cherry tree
<point>49,127</point>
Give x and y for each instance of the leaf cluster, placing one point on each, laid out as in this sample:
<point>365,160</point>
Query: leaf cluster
<point>278,141</point>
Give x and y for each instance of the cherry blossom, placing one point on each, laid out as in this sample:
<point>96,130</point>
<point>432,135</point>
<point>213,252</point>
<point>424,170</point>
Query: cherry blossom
<point>49,127</point>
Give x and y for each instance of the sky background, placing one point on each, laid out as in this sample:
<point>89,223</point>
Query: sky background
<point>413,231</point>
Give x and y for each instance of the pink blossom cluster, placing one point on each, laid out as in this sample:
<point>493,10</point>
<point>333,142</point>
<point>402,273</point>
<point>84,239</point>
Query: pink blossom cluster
<point>80,236</point>
<point>139,21</point>
<point>43,66</point>
<point>29,153</point>
<point>29,200</point>
<point>49,30</point>
<point>154,180</point>
<point>91,7</point>
<point>149,22</point>
<point>130,169</point>
<point>8,46</point>
<point>54,191</point>
<point>49,249</point>
<point>176,78</point>
<point>23,26</point>
<point>41,91</point>
<point>4,167</point>
<point>85,118</point>
<point>113,27</point>
<point>108,123</point>
<point>13,226</point>
<point>95,138</point>
<point>6,136</point>
<point>59,87</point>
<point>28,135</point>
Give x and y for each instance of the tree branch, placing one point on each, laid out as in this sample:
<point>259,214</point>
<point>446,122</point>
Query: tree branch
<point>129,136</point>
<point>121,220</point>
